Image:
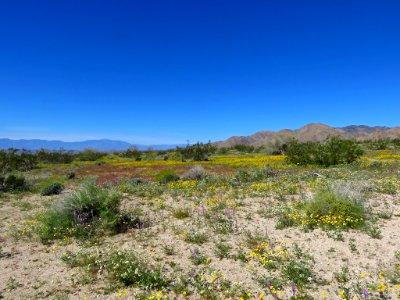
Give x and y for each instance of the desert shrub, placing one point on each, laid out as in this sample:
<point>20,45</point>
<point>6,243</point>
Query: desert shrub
<point>196,237</point>
<point>90,155</point>
<point>55,157</point>
<point>297,272</point>
<point>13,183</point>
<point>70,175</point>
<point>145,189</point>
<point>331,209</point>
<point>88,211</point>
<point>167,176</point>
<point>198,258</point>
<point>222,250</point>
<point>181,213</point>
<point>254,174</point>
<point>13,159</point>
<point>222,225</point>
<point>127,268</point>
<point>195,173</point>
<point>134,153</point>
<point>243,148</point>
<point>333,152</point>
<point>122,266</point>
<point>197,152</point>
<point>136,181</point>
<point>53,188</point>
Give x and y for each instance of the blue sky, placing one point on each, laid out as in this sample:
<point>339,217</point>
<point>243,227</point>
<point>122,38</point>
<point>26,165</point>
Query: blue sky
<point>155,72</point>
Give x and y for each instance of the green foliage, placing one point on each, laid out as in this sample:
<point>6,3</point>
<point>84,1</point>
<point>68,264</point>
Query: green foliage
<point>127,268</point>
<point>222,224</point>
<point>89,211</point>
<point>197,152</point>
<point>134,153</point>
<point>13,159</point>
<point>55,157</point>
<point>70,175</point>
<point>222,250</point>
<point>122,266</point>
<point>342,276</point>
<point>298,272</point>
<point>198,258</point>
<point>13,183</point>
<point>53,188</point>
<point>243,148</point>
<point>89,155</point>
<point>333,152</point>
<point>143,189</point>
<point>328,207</point>
<point>167,176</point>
<point>196,237</point>
<point>181,213</point>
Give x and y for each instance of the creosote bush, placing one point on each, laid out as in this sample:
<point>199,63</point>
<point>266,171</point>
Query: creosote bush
<point>167,176</point>
<point>53,188</point>
<point>333,151</point>
<point>13,183</point>
<point>197,152</point>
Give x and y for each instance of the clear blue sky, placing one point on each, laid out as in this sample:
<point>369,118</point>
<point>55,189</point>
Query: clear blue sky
<point>169,71</point>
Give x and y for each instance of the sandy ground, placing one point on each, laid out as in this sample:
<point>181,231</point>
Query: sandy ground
<point>38,272</point>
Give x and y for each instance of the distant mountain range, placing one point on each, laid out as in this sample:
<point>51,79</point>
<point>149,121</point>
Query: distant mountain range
<point>310,132</point>
<point>314,132</point>
<point>101,145</point>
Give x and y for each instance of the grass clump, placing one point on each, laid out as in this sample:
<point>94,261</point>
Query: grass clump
<point>53,188</point>
<point>89,211</point>
<point>181,213</point>
<point>329,209</point>
<point>167,176</point>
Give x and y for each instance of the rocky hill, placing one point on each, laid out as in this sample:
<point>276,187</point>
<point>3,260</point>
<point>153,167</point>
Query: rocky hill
<point>314,132</point>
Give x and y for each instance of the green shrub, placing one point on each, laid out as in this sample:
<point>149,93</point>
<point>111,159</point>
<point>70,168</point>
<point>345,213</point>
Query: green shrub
<point>13,183</point>
<point>55,157</point>
<point>89,155</point>
<point>13,159</point>
<point>167,176</point>
<point>297,272</point>
<point>70,175</point>
<point>134,153</point>
<point>144,189</point>
<point>334,210</point>
<point>196,237</point>
<point>197,152</point>
<point>222,250</point>
<point>181,213</point>
<point>123,266</point>
<point>333,152</point>
<point>89,211</point>
<point>243,148</point>
<point>54,188</point>
<point>127,268</point>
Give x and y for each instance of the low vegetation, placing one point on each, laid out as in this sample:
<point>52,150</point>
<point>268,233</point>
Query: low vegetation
<point>237,225</point>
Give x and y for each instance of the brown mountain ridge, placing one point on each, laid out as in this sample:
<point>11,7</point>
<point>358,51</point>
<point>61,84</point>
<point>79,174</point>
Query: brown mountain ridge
<point>314,132</point>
